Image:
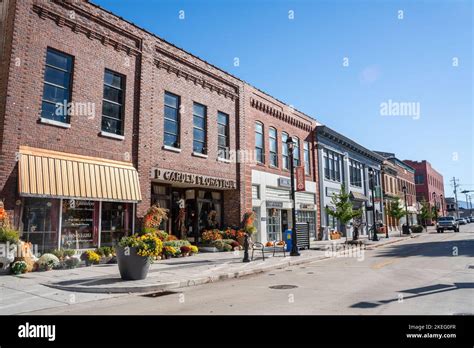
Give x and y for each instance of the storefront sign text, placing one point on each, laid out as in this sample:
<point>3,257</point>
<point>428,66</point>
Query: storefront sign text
<point>274,204</point>
<point>193,179</point>
<point>284,182</point>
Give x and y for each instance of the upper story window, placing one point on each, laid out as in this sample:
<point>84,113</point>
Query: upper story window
<point>259,146</point>
<point>112,104</point>
<point>332,165</point>
<point>419,179</point>
<point>272,135</point>
<point>355,171</point>
<point>223,135</point>
<point>57,86</point>
<point>306,158</point>
<point>172,120</point>
<point>296,152</point>
<point>284,151</point>
<point>199,128</point>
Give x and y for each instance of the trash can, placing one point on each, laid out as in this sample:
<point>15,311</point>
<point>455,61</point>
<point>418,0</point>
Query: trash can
<point>405,229</point>
<point>287,239</point>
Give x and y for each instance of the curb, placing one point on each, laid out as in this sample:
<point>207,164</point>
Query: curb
<point>207,279</point>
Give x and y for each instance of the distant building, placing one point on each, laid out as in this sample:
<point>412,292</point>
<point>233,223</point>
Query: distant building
<point>429,185</point>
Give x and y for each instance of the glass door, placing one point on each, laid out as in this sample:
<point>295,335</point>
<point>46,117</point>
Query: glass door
<point>273,224</point>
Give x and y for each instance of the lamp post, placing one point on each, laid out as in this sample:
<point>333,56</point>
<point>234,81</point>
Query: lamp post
<point>435,206</point>
<point>441,202</point>
<point>404,188</point>
<point>294,246</point>
<point>372,184</point>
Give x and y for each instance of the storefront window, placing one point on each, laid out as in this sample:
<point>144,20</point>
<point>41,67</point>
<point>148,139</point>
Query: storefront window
<point>78,221</point>
<point>273,224</point>
<point>40,223</point>
<point>115,221</point>
<point>309,217</point>
<point>209,210</point>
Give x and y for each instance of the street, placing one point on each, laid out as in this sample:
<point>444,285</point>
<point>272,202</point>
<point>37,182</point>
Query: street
<point>432,274</point>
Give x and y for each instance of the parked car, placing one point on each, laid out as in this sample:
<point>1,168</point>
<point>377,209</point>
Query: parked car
<point>461,221</point>
<point>471,219</point>
<point>447,223</point>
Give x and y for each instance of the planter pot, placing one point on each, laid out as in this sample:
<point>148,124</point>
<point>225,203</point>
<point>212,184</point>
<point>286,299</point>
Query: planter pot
<point>132,266</point>
<point>7,254</point>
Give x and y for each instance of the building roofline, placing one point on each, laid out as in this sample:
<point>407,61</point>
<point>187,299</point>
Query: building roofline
<point>192,55</point>
<point>329,132</point>
<point>391,156</point>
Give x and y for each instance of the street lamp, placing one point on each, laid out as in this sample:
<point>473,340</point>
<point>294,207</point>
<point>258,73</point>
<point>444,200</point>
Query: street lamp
<point>372,183</point>
<point>441,202</point>
<point>435,206</point>
<point>404,188</point>
<point>294,247</point>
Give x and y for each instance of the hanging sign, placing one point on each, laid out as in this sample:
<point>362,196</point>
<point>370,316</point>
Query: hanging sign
<point>300,179</point>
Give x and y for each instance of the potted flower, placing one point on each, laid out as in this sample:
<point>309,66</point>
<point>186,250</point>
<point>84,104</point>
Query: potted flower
<point>8,239</point>
<point>194,249</point>
<point>47,262</point>
<point>90,257</point>
<point>18,267</point>
<point>185,250</point>
<point>135,253</point>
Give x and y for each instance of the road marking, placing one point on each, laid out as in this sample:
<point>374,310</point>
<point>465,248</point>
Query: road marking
<point>383,264</point>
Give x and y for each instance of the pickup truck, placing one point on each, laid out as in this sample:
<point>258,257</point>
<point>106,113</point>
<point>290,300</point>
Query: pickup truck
<point>447,223</point>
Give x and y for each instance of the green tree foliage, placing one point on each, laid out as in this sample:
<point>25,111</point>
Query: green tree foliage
<point>343,210</point>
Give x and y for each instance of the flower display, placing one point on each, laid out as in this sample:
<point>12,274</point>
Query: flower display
<point>154,216</point>
<point>212,235</point>
<point>47,262</point>
<point>170,251</point>
<point>148,244</point>
<point>90,256</point>
<point>19,267</point>
<point>194,249</point>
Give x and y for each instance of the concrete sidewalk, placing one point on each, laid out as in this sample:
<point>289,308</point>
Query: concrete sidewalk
<point>173,273</point>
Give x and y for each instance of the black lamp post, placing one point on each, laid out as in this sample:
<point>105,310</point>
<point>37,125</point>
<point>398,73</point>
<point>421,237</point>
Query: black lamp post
<point>404,188</point>
<point>435,207</point>
<point>372,184</point>
<point>294,246</point>
<point>441,203</point>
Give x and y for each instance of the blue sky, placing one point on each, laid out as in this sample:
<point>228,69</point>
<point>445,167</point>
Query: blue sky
<point>300,61</point>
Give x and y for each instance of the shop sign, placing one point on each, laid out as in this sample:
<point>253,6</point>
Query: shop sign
<point>306,206</point>
<point>300,180</point>
<point>274,204</point>
<point>284,182</point>
<point>330,191</point>
<point>193,179</point>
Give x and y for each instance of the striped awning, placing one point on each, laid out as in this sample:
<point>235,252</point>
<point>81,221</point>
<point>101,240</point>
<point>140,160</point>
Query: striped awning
<point>45,173</point>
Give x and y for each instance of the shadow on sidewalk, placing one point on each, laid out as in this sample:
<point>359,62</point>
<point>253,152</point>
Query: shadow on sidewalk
<point>463,247</point>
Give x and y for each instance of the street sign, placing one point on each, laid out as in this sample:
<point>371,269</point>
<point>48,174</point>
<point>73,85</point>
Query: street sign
<point>300,180</point>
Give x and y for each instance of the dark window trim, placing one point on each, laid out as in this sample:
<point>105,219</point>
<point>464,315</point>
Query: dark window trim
<point>178,110</point>
<point>123,84</point>
<point>204,148</point>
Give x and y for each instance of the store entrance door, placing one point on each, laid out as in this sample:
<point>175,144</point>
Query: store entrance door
<point>284,220</point>
<point>183,207</point>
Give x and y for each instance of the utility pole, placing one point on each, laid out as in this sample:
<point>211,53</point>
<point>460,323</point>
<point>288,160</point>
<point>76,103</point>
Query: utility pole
<point>468,200</point>
<point>455,184</point>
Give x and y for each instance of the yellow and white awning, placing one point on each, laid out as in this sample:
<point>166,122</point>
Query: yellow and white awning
<point>46,173</point>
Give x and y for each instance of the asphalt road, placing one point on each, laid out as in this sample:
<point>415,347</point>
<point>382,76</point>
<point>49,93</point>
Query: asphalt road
<point>432,274</point>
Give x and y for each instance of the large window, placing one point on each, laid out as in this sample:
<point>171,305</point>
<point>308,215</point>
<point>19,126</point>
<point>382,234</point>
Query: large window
<point>419,179</point>
<point>199,128</point>
<point>115,221</point>
<point>57,86</point>
<point>296,152</point>
<point>284,151</point>
<point>306,158</point>
<point>40,223</point>
<point>79,217</point>
<point>172,120</point>
<point>259,146</point>
<point>355,171</point>
<point>273,224</point>
<point>112,104</point>
<point>332,165</point>
<point>272,134</point>
<point>223,135</point>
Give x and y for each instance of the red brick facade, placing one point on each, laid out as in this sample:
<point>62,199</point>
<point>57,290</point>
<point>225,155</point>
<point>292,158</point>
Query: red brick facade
<point>99,40</point>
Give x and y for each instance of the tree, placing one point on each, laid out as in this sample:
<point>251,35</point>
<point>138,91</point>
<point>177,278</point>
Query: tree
<point>425,212</point>
<point>397,211</point>
<point>343,210</point>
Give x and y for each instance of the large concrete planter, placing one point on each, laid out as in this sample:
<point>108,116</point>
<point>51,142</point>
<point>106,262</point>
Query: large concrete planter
<point>131,265</point>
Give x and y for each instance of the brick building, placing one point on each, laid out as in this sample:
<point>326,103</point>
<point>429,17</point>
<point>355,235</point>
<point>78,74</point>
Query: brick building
<point>398,181</point>
<point>429,185</point>
<point>100,118</point>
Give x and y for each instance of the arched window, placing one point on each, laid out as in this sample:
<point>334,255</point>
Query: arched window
<point>284,151</point>
<point>259,143</point>
<point>272,134</point>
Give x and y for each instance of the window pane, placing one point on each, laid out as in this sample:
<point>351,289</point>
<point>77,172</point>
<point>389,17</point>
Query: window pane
<point>58,60</point>
<point>171,113</point>
<point>113,79</point>
<point>111,125</point>
<point>198,147</point>
<point>272,133</point>
<point>221,129</point>
<point>273,147</point>
<point>55,94</point>
<point>110,109</point>
<point>56,76</point>
<point>171,100</point>
<point>199,122</point>
<point>259,140</point>
<point>171,127</point>
<point>258,128</point>
<point>222,141</point>
<point>51,112</point>
<point>171,140</point>
<point>112,94</point>
<point>199,110</point>
<point>222,118</point>
<point>198,134</point>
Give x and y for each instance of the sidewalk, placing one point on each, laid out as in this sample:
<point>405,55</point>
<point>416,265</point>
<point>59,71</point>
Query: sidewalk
<point>172,273</point>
